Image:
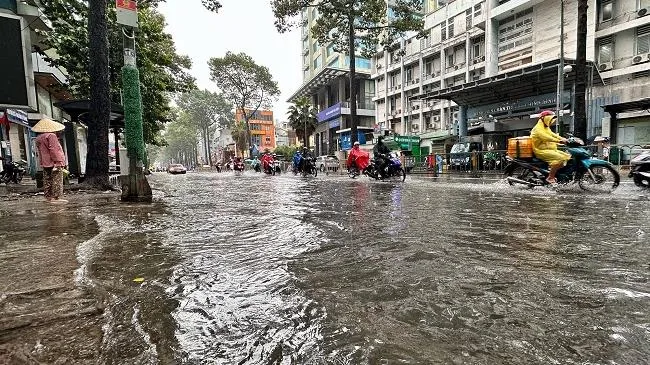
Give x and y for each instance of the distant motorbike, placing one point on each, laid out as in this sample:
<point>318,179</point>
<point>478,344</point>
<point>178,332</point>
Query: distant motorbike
<point>238,166</point>
<point>272,168</point>
<point>13,172</point>
<point>393,169</point>
<point>640,171</point>
<point>309,166</point>
<point>590,173</point>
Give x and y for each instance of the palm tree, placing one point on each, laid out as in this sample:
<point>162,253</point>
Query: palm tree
<point>303,119</point>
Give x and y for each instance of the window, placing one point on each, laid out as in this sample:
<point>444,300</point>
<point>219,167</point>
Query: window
<point>318,62</point>
<point>315,46</point>
<point>605,51</point>
<point>450,60</point>
<point>409,74</point>
<point>330,50</point>
<point>606,10</point>
<point>643,40</point>
<point>477,50</point>
<point>428,67</point>
<point>450,28</point>
<point>443,30</point>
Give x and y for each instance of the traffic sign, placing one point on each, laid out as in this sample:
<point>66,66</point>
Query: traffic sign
<point>127,12</point>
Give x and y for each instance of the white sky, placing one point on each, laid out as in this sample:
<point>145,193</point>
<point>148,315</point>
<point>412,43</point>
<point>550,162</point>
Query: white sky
<point>240,26</point>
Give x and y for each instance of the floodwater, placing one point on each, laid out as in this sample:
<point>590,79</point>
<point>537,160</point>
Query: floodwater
<point>225,269</point>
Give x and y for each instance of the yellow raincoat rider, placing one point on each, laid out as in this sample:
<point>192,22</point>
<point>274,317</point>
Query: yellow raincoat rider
<point>545,145</point>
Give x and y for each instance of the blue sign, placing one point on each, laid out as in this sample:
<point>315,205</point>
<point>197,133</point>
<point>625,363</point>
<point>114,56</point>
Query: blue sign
<point>346,142</point>
<point>330,113</point>
<point>18,116</point>
<point>334,123</point>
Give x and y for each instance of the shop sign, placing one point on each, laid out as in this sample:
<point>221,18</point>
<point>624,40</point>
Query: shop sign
<point>18,117</point>
<point>547,100</point>
<point>334,123</point>
<point>330,113</point>
<point>406,139</point>
<point>127,12</point>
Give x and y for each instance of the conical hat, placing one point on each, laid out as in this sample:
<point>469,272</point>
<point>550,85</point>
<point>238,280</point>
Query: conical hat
<point>46,125</point>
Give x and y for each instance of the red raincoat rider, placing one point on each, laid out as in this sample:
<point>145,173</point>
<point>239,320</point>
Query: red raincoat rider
<point>358,157</point>
<point>267,160</point>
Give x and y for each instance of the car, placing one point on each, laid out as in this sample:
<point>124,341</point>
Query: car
<point>459,156</point>
<point>327,162</point>
<point>176,169</point>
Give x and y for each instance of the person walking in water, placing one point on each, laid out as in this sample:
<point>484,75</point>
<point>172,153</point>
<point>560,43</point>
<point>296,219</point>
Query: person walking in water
<point>51,158</point>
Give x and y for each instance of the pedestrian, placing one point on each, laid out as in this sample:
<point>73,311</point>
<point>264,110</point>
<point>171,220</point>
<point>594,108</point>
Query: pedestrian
<point>51,158</point>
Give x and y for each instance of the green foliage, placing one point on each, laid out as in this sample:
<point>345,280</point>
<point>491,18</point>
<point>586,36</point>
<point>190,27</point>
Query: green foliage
<point>180,135</point>
<point>369,18</point>
<point>162,71</point>
<point>244,83</point>
<point>133,113</point>
<point>286,151</point>
<point>239,132</point>
<point>303,115</point>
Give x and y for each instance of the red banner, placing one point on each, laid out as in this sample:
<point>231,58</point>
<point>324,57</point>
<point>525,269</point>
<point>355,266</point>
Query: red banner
<point>127,5</point>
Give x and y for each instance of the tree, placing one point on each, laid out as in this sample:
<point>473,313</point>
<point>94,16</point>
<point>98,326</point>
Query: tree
<point>100,102</point>
<point>239,131</point>
<point>181,136</point>
<point>247,85</point>
<point>580,108</point>
<point>82,32</point>
<point>303,119</point>
<point>352,25</point>
<point>207,111</point>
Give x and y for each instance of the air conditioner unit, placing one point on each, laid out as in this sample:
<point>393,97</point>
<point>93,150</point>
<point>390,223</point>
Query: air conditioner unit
<point>605,66</point>
<point>642,12</point>
<point>642,58</point>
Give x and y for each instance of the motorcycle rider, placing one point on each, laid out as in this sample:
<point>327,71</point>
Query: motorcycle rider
<point>297,159</point>
<point>304,155</point>
<point>255,164</point>
<point>381,152</point>
<point>545,143</point>
<point>267,161</point>
<point>358,157</point>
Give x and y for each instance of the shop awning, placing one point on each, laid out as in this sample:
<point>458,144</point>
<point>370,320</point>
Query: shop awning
<point>81,109</point>
<point>630,106</point>
<point>534,80</point>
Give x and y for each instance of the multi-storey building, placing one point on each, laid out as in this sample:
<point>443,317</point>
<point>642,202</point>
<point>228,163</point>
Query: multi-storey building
<point>485,66</point>
<point>262,128</point>
<point>326,85</point>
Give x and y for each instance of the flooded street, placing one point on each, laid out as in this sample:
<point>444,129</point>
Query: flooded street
<point>225,269</point>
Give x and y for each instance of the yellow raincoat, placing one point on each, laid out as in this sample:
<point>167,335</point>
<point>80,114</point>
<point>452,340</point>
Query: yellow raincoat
<point>545,143</point>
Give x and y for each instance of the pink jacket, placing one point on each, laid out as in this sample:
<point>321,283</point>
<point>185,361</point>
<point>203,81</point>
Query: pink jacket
<point>50,152</point>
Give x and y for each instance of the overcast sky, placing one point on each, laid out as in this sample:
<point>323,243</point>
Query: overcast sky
<point>240,26</point>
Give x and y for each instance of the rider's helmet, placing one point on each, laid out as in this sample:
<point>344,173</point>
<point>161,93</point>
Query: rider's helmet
<point>380,139</point>
<point>357,143</point>
<point>547,117</point>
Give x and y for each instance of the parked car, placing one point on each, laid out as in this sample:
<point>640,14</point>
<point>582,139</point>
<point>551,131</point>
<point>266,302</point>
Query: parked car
<point>328,162</point>
<point>176,169</point>
<point>460,155</point>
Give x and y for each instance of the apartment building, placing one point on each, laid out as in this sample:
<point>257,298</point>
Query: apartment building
<point>262,128</point>
<point>485,66</point>
<point>326,85</point>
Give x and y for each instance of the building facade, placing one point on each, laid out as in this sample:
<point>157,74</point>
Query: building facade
<point>326,85</point>
<point>32,88</point>
<point>485,66</point>
<point>262,128</point>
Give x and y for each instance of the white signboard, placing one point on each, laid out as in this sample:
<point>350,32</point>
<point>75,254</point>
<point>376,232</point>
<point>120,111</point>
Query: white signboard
<point>127,12</point>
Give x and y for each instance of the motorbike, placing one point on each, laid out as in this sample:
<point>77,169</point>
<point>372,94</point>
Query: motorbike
<point>13,172</point>
<point>393,169</point>
<point>272,168</point>
<point>591,174</point>
<point>257,167</point>
<point>238,166</point>
<point>309,166</point>
<point>640,171</point>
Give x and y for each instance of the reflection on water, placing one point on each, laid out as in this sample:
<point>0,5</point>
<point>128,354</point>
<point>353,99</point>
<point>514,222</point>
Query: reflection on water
<point>285,270</point>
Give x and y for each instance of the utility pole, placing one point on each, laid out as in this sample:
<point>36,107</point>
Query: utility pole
<point>560,73</point>
<point>580,108</point>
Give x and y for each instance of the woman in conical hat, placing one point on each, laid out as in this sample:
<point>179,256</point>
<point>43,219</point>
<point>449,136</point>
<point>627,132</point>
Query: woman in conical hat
<point>51,158</point>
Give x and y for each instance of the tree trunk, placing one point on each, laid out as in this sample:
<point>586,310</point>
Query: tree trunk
<point>100,102</point>
<point>580,108</point>
<point>353,74</point>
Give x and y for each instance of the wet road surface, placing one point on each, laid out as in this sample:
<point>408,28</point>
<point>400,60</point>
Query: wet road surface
<point>284,270</point>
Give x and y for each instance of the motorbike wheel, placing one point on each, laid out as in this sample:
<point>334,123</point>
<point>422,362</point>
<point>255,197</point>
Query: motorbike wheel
<point>605,179</point>
<point>517,172</point>
<point>18,178</point>
<point>400,173</point>
<point>314,171</point>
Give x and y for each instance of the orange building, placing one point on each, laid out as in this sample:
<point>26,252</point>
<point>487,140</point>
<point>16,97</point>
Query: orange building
<point>262,128</point>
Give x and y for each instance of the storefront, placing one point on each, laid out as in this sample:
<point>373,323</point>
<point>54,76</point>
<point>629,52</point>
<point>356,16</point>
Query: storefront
<point>15,135</point>
<point>329,122</point>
